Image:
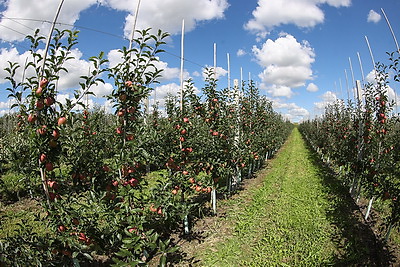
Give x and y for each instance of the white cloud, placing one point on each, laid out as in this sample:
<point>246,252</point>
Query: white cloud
<point>302,13</point>
<point>167,74</point>
<point>12,55</point>
<point>220,72</point>
<point>157,14</point>
<point>76,68</point>
<point>278,90</point>
<point>312,87</point>
<point>168,15</point>
<point>291,111</point>
<point>286,62</point>
<point>196,74</point>
<point>241,53</point>
<point>327,98</point>
<point>43,10</point>
<point>162,91</point>
<point>101,90</point>
<point>373,16</point>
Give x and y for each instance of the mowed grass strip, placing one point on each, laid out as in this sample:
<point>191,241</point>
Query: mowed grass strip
<point>286,222</point>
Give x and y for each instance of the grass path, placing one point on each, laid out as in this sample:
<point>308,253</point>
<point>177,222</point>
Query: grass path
<point>298,216</point>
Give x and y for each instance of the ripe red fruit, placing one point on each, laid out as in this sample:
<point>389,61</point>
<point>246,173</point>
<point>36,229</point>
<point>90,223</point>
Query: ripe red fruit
<point>53,196</point>
<point>43,157</point>
<point>215,100</point>
<point>192,180</point>
<point>52,184</point>
<point>32,118</point>
<point>184,131</point>
<point>174,191</point>
<point>120,113</point>
<point>129,137</point>
<point>42,130</point>
<point>215,133</point>
<point>159,211</point>
<point>43,82</point>
<point>123,97</point>
<point>62,121</point>
<point>128,83</point>
<point>152,208</point>
<point>61,228</point>
<point>198,188</point>
<point>56,134</point>
<point>49,166</point>
<point>119,130</point>
<point>49,101</point>
<point>106,168</point>
<point>186,120</point>
<point>39,104</point>
<point>182,139</point>
<point>133,182</point>
<point>39,91</point>
<point>133,229</point>
<point>115,183</point>
<point>185,173</point>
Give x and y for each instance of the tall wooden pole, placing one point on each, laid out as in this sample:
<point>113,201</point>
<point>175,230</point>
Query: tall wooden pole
<point>182,63</point>
<point>49,38</point>
<point>134,25</point>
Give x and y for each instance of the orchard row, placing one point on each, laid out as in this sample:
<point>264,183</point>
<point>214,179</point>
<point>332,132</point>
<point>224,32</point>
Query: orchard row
<point>360,141</point>
<point>92,170</point>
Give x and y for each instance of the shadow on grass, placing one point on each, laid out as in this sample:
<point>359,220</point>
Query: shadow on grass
<point>357,244</point>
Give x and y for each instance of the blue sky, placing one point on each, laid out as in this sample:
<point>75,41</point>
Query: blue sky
<point>296,51</point>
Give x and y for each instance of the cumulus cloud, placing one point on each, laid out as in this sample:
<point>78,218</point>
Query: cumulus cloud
<point>14,23</point>
<point>392,94</point>
<point>101,89</point>
<point>168,15</point>
<point>167,74</point>
<point>68,80</point>
<point>312,87</point>
<point>241,53</point>
<point>161,92</point>
<point>277,90</point>
<point>12,55</point>
<point>156,14</point>
<point>373,16</point>
<point>302,13</point>
<point>5,106</point>
<point>286,62</point>
<point>327,98</point>
<point>220,72</point>
<point>291,111</point>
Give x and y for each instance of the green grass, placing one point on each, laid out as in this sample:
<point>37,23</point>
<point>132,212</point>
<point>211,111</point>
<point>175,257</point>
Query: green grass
<point>300,216</point>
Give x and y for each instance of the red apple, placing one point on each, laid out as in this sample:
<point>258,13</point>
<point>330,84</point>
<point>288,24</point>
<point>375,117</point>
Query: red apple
<point>62,121</point>
<point>43,157</point>
<point>39,91</point>
<point>49,166</point>
<point>56,134</point>
<point>43,82</point>
<point>32,118</point>
<point>49,101</point>
<point>123,97</point>
<point>40,104</point>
